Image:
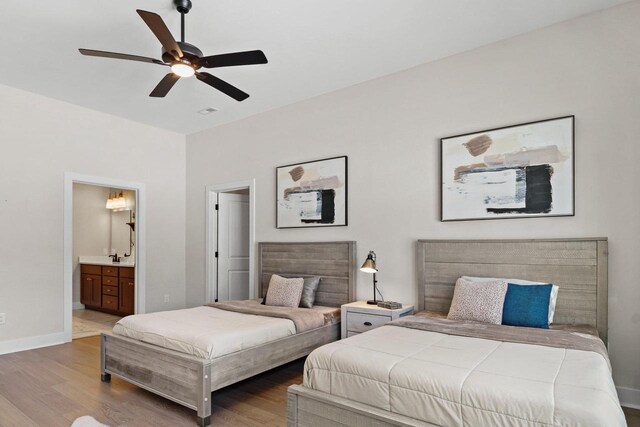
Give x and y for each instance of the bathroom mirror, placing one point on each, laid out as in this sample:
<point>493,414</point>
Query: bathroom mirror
<point>122,234</point>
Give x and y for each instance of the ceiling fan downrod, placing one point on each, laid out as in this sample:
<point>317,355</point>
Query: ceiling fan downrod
<point>183,6</point>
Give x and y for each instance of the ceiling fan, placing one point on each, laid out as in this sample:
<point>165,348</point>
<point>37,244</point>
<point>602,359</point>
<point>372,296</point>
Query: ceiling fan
<point>185,59</point>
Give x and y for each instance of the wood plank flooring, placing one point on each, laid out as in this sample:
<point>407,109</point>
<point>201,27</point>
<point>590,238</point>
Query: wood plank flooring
<point>632,416</point>
<point>53,386</point>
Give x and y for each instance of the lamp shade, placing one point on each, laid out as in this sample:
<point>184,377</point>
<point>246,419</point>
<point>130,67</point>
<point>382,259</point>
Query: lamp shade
<point>369,265</point>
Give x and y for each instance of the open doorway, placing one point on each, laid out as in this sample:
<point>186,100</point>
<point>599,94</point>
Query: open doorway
<point>103,257</point>
<point>230,242</point>
<point>104,253</point>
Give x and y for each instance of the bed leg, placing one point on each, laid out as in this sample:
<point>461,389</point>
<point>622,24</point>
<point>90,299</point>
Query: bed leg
<point>204,422</point>
<point>104,376</point>
<point>204,396</point>
<point>292,408</point>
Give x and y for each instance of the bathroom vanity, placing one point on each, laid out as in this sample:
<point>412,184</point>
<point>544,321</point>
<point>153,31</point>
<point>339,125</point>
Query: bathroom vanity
<point>108,287</point>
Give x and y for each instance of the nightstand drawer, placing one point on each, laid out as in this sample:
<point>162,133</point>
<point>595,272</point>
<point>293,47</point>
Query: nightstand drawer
<point>360,322</point>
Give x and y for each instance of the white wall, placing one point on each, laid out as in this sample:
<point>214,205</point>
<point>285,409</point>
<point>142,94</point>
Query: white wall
<point>390,129</point>
<point>91,227</point>
<point>40,140</point>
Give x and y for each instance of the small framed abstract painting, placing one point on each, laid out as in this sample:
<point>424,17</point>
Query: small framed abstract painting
<point>519,171</point>
<point>312,194</point>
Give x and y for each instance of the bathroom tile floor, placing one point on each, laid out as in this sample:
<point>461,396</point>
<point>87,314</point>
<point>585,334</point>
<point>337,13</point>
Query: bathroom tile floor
<point>88,323</point>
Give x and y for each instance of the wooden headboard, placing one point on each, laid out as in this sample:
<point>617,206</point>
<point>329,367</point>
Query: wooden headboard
<point>333,261</point>
<point>577,266</point>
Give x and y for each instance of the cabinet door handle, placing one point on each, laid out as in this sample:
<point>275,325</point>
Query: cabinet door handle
<point>89,279</point>
<point>367,323</point>
<point>130,283</point>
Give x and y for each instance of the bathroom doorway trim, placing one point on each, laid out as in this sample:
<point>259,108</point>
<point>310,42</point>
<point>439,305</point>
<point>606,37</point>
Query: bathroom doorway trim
<point>71,178</point>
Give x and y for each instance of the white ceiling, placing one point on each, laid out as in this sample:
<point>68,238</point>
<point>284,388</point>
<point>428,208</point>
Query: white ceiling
<point>313,47</point>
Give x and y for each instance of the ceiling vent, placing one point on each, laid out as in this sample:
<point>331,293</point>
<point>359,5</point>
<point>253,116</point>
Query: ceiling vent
<point>206,111</point>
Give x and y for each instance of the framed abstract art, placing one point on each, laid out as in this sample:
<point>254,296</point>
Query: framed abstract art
<point>312,194</point>
<point>518,171</point>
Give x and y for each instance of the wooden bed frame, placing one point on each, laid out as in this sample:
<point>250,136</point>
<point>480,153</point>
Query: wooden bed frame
<point>578,266</point>
<point>189,380</point>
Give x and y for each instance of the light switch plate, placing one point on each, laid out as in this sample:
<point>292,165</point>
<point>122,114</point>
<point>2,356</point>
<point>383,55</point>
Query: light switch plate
<point>3,318</point>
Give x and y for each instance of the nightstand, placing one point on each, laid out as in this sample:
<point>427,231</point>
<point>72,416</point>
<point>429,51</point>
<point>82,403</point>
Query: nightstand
<point>358,317</point>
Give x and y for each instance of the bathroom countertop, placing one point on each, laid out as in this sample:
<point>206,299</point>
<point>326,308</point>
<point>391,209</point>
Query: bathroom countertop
<point>105,260</point>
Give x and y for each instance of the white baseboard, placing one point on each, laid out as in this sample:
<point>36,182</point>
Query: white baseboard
<point>629,397</point>
<point>78,306</point>
<point>30,343</point>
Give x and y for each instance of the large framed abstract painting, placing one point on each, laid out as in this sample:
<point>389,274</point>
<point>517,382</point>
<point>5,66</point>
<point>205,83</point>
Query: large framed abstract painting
<point>525,170</point>
<point>312,194</point>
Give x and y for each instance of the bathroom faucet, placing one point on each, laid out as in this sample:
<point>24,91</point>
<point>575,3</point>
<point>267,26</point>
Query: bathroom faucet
<point>115,257</point>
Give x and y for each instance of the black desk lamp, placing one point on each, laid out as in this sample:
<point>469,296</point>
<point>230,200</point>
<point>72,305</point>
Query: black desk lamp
<point>369,266</point>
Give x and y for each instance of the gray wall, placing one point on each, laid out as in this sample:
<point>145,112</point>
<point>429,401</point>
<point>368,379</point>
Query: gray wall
<point>390,129</point>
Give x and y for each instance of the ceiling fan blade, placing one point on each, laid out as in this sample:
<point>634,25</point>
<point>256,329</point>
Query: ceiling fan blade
<point>250,57</point>
<point>164,86</point>
<point>159,28</point>
<point>115,55</point>
<point>222,86</point>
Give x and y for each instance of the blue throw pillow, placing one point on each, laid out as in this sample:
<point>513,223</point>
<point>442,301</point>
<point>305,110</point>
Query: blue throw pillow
<point>527,305</point>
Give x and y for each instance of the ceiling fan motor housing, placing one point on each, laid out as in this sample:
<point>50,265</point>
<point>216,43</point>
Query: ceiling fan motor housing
<point>191,54</point>
<point>183,6</point>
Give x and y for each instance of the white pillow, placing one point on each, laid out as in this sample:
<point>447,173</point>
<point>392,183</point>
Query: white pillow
<point>478,301</point>
<point>553,298</point>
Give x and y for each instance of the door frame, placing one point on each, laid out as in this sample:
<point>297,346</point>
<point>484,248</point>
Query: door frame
<point>211,231</point>
<point>71,178</point>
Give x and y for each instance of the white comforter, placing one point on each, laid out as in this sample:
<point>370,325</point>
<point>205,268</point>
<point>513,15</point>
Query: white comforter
<point>451,380</point>
<point>204,332</point>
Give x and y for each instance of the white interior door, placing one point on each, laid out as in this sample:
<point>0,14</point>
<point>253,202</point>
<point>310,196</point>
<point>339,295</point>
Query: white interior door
<point>233,246</point>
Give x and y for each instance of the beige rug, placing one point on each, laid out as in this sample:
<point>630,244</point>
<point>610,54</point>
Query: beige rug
<point>87,421</point>
<point>89,323</point>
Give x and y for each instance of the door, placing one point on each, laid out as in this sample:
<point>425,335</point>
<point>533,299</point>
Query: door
<point>233,247</point>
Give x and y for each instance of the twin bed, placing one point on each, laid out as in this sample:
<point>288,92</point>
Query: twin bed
<point>429,371</point>
<point>420,370</point>
<point>185,355</point>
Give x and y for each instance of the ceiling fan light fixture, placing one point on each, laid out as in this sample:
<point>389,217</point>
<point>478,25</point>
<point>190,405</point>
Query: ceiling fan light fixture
<point>182,69</point>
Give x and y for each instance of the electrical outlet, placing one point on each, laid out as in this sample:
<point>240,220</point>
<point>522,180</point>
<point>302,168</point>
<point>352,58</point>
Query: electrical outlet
<point>166,299</point>
<point>3,318</point>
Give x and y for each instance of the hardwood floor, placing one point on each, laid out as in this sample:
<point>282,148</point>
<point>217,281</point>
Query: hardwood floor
<point>53,386</point>
<point>632,416</point>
